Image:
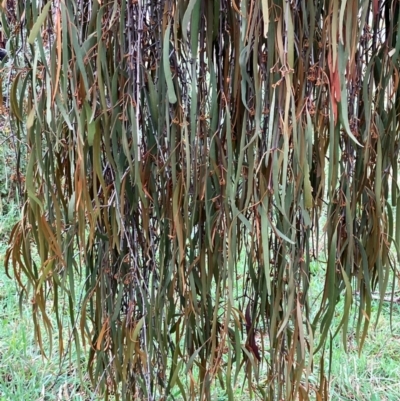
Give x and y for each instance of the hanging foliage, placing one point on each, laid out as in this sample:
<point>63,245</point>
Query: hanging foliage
<point>181,155</point>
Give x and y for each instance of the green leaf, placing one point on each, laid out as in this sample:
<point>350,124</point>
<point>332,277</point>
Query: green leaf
<point>167,68</point>
<point>38,24</point>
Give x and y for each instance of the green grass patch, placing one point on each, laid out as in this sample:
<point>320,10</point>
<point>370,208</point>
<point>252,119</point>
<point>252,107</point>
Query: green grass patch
<point>24,373</point>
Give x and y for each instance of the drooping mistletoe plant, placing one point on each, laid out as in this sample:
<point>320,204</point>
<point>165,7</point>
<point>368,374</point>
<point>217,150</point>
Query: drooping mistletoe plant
<point>181,155</point>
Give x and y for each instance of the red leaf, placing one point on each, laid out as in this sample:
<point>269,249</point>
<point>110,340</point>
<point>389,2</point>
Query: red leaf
<point>335,85</point>
<point>375,7</point>
<point>251,338</point>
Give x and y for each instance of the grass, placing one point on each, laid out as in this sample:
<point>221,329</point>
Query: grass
<point>24,373</point>
<point>375,374</point>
